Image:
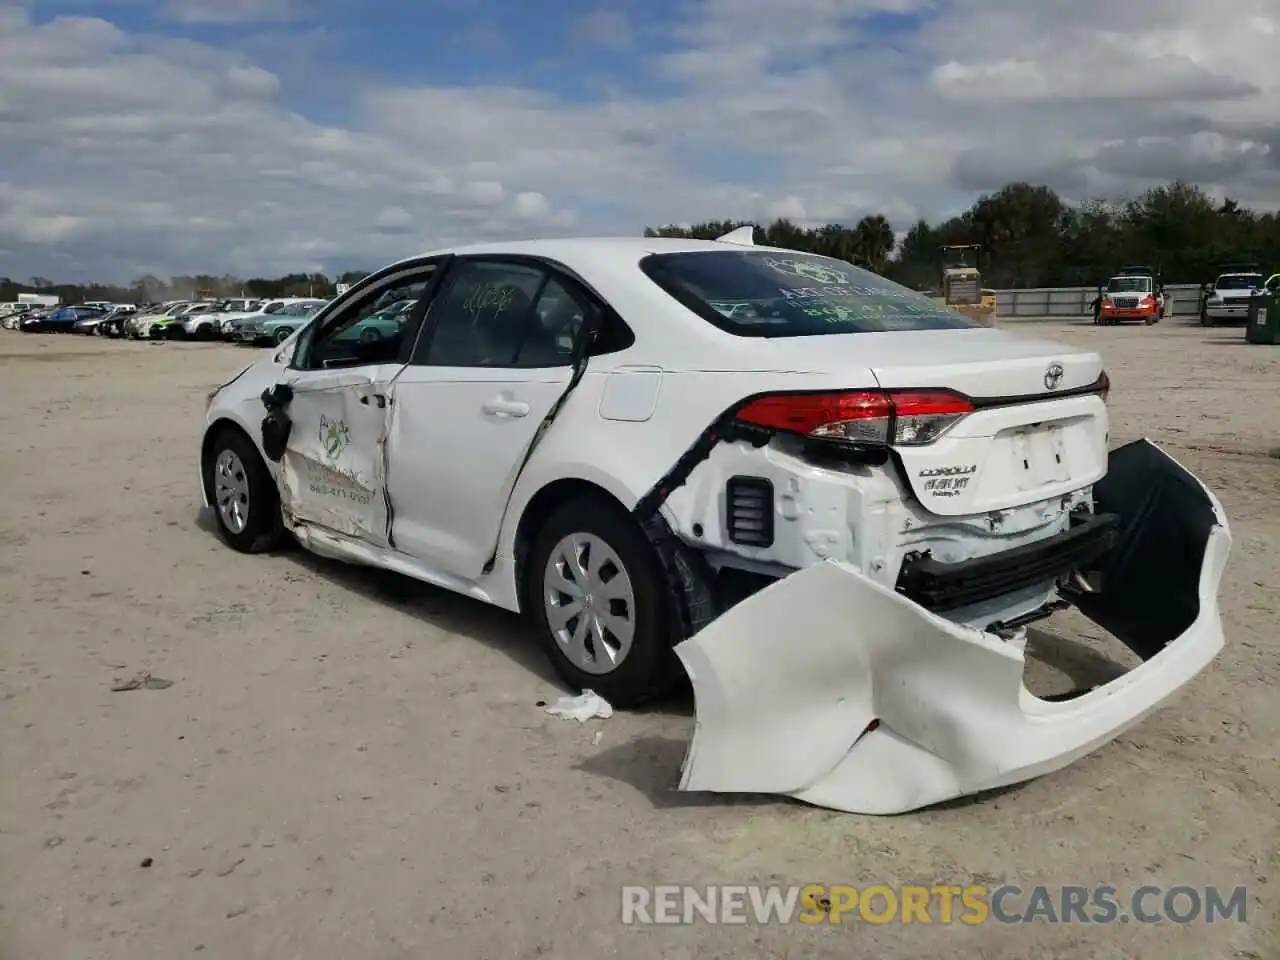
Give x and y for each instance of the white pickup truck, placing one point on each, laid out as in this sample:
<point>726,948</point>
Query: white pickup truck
<point>1227,300</point>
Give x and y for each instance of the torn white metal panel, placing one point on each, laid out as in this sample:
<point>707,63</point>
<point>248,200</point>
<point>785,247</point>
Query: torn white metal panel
<point>333,470</point>
<point>837,691</point>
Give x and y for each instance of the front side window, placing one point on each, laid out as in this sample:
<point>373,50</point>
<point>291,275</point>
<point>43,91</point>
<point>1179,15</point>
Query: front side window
<point>354,334</point>
<point>776,293</point>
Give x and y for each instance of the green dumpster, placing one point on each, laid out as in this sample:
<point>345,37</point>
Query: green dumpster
<point>1264,320</point>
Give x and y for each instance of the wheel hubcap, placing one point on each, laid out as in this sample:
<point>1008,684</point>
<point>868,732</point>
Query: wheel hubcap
<point>589,603</point>
<point>231,491</point>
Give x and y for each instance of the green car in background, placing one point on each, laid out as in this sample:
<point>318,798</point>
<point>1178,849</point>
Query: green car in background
<point>276,328</point>
<point>377,326</point>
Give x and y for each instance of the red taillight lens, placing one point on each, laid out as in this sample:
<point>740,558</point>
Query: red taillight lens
<point>899,417</point>
<point>806,412</point>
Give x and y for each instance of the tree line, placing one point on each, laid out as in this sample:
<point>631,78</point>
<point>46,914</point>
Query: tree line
<point>1030,237</point>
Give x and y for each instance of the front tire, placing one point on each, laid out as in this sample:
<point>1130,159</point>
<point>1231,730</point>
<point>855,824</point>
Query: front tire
<point>245,503</point>
<point>595,589</point>
<point>283,334</point>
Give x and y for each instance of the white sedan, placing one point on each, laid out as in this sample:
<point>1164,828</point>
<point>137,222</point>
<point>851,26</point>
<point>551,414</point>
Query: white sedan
<point>834,502</point>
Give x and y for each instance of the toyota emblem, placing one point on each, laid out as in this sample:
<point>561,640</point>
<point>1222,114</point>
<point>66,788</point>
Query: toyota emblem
<point>1053,376</point>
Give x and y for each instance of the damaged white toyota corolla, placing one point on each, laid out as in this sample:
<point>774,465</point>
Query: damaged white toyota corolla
<point>837,502</point>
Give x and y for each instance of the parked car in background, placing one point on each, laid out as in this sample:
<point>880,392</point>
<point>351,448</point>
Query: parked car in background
<point>150,325</point>
<point>232,322</point>
<point>1226,300</point>
<point>264,329</point>
<point>199,321</point>
<point>12,314</point>
<point>31,321</point>
<point>62,319</point>
<point>90,324</point>
<point>113,324</point>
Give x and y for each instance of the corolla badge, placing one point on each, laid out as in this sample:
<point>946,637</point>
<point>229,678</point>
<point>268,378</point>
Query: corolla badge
<point>1053,376</point>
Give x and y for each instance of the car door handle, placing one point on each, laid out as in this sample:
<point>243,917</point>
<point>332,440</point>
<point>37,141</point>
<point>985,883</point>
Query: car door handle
<point>379,398</point>
<point>502,407</point>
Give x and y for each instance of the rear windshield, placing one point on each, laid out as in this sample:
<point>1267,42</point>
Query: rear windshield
<point>774,293</point>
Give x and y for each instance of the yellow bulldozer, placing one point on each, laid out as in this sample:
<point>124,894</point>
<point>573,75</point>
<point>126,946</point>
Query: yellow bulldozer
<point>962,288</point>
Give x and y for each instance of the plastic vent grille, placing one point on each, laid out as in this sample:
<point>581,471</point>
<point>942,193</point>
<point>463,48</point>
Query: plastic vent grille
<point>749,511</point>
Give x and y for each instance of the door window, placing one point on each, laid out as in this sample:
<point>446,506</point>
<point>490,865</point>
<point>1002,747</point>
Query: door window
<point>480,320</point>
<point>371,328</point>
<point>555,326</point>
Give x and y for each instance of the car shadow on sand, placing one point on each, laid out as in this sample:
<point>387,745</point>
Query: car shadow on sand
<point>440,608</point>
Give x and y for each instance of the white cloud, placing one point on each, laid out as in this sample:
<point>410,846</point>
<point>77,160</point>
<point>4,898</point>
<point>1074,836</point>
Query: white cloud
<point>252,81</point>
<point>532,205</point>
<point>125,153</point>
<point>393,220</point>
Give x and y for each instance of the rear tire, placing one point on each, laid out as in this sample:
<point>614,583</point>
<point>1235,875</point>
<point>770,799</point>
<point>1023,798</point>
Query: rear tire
<point>617,584</point>
<point>283,334</point>
<point>234,472</point>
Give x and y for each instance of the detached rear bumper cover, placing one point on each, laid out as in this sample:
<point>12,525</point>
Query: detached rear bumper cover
<point>788,683</point>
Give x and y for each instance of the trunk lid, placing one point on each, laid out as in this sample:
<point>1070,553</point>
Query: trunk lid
<point>983,364</point>
<point>1032,438</point>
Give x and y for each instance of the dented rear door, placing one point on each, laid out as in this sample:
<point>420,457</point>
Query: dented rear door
<point>333,473</point>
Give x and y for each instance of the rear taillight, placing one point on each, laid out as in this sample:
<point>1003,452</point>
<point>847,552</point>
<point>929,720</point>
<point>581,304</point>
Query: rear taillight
<point>897,417</point>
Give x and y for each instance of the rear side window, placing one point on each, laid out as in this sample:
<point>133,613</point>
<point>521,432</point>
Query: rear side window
<point>776,293</point>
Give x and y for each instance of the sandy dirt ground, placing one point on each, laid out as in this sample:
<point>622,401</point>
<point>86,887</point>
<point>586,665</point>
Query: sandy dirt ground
<point>347,765</point>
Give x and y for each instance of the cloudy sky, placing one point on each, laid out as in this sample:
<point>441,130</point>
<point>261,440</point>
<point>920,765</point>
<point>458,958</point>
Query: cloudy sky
<point>263,136</point>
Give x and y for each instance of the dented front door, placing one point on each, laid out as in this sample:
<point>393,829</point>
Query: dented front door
<point>333,473</point>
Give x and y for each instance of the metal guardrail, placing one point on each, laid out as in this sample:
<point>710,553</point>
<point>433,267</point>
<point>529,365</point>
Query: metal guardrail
<point>1184,301</point>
